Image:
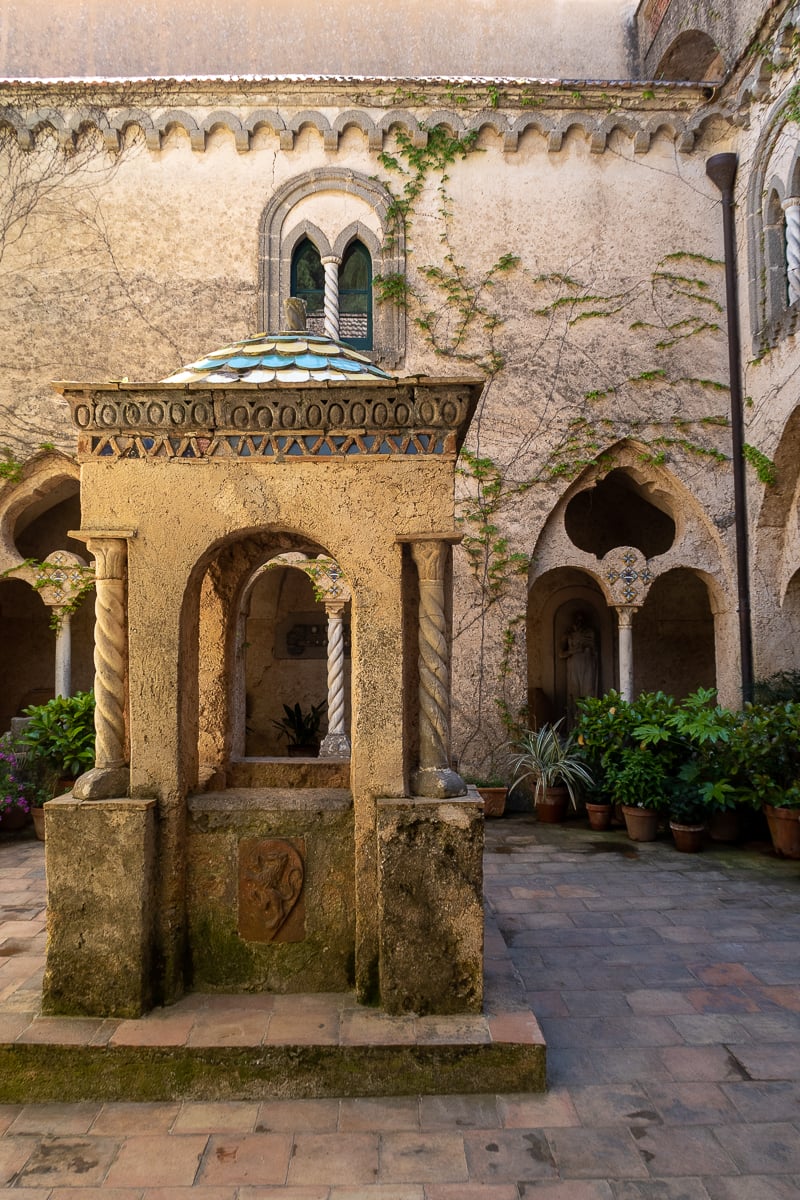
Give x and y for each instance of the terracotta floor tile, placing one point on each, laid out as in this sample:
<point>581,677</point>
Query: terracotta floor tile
<point>219,1117</point>
<point>157,1160</point>
<point>14,1153</point>
<point>330,1158</point>
<point>498,1157</point>
<point>380,1114</point>
<point>99,1193</point>
<point>307,1029</point>
<point>126,1118</point>
<point>229,1029</point>
<point>724,974</point>
<point>546,1111</point>
<point>68,1161</point>
<point>287,1116</point>
<point>178,1193</point>
<point>367,1028</point>
<point>762,1149</point>
<point>55,1118</point>
<point>423,1158</point>
<point>144,1032</point>
<point>61,1031</point>
<point>251,1158</point>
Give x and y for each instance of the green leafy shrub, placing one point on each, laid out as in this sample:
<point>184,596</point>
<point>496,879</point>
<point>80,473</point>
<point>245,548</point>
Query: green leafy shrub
<point>60,734</point>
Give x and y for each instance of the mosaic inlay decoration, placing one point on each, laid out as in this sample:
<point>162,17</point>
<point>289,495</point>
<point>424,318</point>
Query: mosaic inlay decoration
<point>628,576</point>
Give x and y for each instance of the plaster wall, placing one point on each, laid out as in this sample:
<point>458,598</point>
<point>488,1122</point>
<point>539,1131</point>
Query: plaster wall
<point>400,38</point>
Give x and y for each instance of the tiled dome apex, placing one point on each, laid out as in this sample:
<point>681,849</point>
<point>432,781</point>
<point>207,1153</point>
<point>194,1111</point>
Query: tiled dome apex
<point>294,357</point>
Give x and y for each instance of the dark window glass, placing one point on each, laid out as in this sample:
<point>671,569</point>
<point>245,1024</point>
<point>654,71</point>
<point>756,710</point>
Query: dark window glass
<point>308,283</point>
<point>355,297</point>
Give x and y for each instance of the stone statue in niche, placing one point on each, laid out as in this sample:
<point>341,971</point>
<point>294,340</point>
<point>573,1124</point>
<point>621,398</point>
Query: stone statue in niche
<point>579,649</point>
<point>271,876</point>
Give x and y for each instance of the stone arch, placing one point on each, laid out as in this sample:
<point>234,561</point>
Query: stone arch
<point>278,239</point>
<point>676,625</point>
<point>693,56</point>
<point>213,632</point>
<point>682,539</point>
<point>36,516</point>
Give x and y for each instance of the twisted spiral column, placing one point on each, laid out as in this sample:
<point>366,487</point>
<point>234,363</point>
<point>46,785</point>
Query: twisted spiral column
<point>791,208</point>
<point>336,742</point>
<point>331,302</point>
<point>434,777</point>
<point>109,650</point>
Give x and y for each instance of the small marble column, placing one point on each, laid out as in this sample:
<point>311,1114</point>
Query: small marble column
<point>625,620</point>
<point>331,265</point>
<point>791,208</point>
<point>63,682</point>
<point>110,776</point>
<point>336,743</point>
<point>434,776</point>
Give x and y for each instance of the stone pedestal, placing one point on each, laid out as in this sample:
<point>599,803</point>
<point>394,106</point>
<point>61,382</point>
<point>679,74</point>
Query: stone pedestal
<point>431,905</point>
<point>100,903</point>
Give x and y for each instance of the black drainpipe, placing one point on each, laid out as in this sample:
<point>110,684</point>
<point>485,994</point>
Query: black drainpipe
<point>721,170</point>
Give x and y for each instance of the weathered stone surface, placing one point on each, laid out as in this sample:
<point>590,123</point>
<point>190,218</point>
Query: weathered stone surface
<point>229,945</point>
<point>431,905</point>
<point>100,894</point>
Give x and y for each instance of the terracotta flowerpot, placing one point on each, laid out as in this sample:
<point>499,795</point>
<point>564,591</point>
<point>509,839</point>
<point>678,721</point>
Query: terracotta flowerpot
<point>725,826</point>
<point>309,751</point>
<point>494,800</point>
<point>688,838</point>
<point>38,822</point>
<point>784,828</point>
<point>641,823</point>
<point>551,809</point>
<point>599,815</point>
<point>13,819</point>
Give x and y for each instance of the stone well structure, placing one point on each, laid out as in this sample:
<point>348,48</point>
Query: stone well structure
<point>178,862</point>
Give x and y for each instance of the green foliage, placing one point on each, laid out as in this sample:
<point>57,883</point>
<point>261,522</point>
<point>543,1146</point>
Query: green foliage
<point>764,467</point>
<point>301,728</point>
<point>550,760</point>
<point>10,467</point>
<point>60,734</point>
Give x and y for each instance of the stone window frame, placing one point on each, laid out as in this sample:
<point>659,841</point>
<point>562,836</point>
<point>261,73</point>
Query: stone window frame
<point>279,236</point>
<point>772,316</point>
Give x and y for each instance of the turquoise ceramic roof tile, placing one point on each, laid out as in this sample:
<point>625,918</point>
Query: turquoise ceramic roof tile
<point>294,357</point>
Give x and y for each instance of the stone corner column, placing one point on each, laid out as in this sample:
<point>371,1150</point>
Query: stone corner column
<point>434,776</point>
<point>110,776</point>
<point>625,615</point>
<point>791,208</point>
<point>336,743</point>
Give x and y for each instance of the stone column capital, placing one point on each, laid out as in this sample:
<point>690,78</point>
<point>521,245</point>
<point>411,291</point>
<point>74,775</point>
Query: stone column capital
<point>791,202</point>
<point>430,558</point>
<point>625,614</point>
<point>330,258</point>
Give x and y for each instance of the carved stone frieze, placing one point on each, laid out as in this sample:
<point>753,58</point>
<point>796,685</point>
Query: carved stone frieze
<point>271,878</point>
<point>250,421</point>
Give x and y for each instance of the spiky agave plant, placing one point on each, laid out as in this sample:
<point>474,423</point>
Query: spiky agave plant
<point>550,761</point>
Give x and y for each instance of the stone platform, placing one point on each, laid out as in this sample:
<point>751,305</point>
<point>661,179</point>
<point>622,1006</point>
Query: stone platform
<point>216,1046</point>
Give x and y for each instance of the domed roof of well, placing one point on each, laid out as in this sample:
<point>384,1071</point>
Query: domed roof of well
<point>294,357</point>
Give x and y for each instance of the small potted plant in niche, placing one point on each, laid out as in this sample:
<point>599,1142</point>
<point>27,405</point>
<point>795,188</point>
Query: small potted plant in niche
<point>59,739</point>
<point>556,768</point>
<point>492,790</point>
<point>301,729</point>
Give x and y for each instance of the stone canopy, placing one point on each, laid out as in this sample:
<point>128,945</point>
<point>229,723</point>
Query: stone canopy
<point>189,485</point>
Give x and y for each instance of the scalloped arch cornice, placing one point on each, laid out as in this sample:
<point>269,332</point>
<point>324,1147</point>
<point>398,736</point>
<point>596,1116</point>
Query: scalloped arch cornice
<point>595,125</point>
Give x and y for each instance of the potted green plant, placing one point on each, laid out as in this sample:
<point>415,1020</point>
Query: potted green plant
<point>772,739</point>
<point>493,791</point>
<point>556,768</point>
<point>640,787</point>
<point>15,803</point>
<point>59,738</point>
<point>301,729</point>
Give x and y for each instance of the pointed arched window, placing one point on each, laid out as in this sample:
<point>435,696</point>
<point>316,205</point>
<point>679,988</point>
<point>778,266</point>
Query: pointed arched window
<point>355,297</point>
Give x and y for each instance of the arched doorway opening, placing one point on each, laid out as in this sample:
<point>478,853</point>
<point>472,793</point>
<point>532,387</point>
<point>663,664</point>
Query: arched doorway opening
<point>674,644</point>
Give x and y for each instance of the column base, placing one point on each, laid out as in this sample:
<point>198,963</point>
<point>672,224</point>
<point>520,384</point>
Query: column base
<point>102,783</point>
<point>439,783</point>
<point>335,745</point>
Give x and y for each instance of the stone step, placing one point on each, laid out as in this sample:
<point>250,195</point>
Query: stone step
<point>288,773</point>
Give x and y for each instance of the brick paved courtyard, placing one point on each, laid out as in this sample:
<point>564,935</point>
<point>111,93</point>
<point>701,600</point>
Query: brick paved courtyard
<point>668,988</point>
